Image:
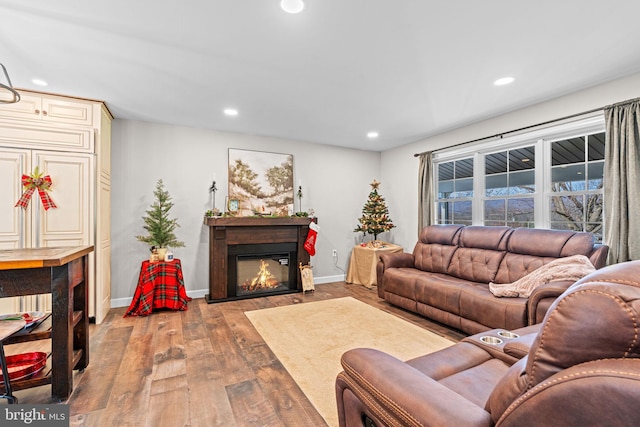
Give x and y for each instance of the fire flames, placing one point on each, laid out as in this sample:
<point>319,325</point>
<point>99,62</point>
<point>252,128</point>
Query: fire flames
<point>263,280</point>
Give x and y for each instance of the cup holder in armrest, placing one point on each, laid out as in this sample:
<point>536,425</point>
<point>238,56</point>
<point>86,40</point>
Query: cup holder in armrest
<point>508,334</point>
<point>487,339</point>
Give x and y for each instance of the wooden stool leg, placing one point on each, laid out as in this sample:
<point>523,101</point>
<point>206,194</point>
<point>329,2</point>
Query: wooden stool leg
<point>5,378</point>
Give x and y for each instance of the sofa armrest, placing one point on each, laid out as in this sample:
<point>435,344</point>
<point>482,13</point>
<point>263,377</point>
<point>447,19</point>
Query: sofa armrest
<point>519,347</point>
<point>598,256</point>
<point>542,297</point>
<point>391,390</point>
<point>395,260</point>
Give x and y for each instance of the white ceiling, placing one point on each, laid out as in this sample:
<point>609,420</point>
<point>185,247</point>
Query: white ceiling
<point>406,68</point>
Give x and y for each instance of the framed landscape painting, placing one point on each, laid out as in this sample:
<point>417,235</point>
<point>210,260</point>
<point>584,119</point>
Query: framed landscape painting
<point>261,182</point>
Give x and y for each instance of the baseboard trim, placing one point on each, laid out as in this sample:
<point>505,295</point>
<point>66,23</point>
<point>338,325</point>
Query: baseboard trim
<point>200,293</point>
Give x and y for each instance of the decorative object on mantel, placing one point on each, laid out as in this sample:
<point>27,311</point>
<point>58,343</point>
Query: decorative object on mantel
<point>375,214</point>
<point>262,183</point>
<point>307,278</point>
<point>310,242</point>
<point>158,224</point>
<point>214,211</point>
<point>299,194</point>
<point>36,181</point>
<point>300,213</point>
<point>15,96</point>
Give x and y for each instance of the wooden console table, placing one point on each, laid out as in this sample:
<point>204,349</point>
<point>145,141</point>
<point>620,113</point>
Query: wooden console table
<point>63,273</point>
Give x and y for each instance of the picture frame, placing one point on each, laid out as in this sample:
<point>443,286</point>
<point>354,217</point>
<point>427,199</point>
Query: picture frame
<point>261,182</point>
<point>233,205</point>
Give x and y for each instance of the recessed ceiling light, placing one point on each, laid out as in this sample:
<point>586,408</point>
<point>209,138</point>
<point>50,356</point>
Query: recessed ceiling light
<point>232,112</point>
<point>39,82</point>
<point>373,134</point>
<point>292,6</point>
<point>504,81</point>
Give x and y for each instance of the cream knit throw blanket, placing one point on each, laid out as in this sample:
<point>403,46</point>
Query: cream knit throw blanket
<point>568,268</point>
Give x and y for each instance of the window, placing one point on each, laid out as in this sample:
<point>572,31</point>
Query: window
<point>549,178</point>
<point>455,192</point>
<point>577,168</point>
<point>509,186</point>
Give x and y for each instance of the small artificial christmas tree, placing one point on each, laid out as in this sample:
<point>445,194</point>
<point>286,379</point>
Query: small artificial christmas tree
<point>375,214</point>
<point>158,223</point>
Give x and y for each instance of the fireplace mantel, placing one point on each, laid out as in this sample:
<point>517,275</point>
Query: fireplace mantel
<point>229,231</point>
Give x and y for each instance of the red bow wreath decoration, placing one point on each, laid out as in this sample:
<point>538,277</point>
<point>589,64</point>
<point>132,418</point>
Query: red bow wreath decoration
<point>36,181</point>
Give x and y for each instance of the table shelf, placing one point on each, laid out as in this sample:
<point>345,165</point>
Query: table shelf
<point>39,332</point>
<point>38,379</point>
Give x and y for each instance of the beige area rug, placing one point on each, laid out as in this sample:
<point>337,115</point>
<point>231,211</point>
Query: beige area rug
<point>310,338</point>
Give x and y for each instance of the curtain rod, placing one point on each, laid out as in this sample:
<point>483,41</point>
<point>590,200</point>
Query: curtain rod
<point>500,135</point>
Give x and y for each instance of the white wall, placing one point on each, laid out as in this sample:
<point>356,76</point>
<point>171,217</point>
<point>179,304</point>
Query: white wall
<point>399,167</point>
<point>335,184</point>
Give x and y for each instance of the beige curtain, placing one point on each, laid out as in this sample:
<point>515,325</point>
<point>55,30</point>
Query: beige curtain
<point>622,181</point>
<point>426,191</point>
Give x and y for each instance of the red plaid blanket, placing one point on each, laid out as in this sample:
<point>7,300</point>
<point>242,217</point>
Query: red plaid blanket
<point>160,285</point>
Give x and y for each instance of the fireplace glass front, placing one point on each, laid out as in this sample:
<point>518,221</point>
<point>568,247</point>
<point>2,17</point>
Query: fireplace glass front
<point>258,270</point>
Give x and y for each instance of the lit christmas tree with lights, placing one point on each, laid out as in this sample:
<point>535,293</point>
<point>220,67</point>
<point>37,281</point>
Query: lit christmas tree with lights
<point>375,214</point>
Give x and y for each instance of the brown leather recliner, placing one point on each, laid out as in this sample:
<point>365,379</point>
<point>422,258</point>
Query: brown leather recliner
<point>582,369</point>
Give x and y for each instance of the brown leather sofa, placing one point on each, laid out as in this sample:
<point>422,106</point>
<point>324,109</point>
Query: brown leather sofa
<point>447,276</point>
<point>581,368</point>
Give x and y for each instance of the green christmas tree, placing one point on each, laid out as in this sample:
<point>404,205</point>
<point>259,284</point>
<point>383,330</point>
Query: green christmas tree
<point>375,214</point>
<point>157,222</point>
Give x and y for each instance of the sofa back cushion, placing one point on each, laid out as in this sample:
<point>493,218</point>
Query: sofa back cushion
<point>480,251</point>
<point>531,248</point>
<point>435,247</point>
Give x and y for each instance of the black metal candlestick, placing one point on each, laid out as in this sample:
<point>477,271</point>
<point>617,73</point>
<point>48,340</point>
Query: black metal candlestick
<point>213,190</point>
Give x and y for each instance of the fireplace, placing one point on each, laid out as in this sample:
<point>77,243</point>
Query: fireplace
<point>240,247</point>
<point>263,269</point>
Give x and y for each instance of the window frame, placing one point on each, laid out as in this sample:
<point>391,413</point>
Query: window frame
<point>541,138</point>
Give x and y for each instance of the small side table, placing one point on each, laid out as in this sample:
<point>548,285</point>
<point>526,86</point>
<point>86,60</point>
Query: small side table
<point>362,266</point>
<point>160,285</point>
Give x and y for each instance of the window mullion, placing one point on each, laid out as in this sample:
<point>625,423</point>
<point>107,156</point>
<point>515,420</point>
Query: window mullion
<point>543,184</point>
<point>479,189</point>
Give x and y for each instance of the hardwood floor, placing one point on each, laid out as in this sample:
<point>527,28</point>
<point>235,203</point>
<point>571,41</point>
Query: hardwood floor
<point>206,366</point>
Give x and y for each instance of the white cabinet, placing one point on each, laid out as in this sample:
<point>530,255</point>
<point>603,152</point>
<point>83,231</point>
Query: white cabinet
<point>50,109</point>
<point>69,223</point>
<point>81,189</point>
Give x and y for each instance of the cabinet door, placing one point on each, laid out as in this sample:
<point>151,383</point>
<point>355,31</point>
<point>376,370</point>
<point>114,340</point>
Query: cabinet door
<point>29,108</point>
<point>15,225</point>
<point>49,109</point>
<point>67,111</point>
<point>72,192</point>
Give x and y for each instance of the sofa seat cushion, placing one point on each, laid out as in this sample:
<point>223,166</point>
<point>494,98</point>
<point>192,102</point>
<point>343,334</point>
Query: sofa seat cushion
<point>464,368</point>
<point>440,291</point>
<point>477,303</point>
<point>402,281</point>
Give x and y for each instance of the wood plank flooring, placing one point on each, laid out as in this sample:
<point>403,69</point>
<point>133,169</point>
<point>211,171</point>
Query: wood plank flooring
<point>206,366</point>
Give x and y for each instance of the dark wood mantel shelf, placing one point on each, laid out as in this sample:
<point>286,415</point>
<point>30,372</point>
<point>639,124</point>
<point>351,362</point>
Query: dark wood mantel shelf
<point>228,231</point>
